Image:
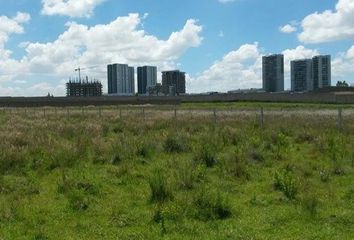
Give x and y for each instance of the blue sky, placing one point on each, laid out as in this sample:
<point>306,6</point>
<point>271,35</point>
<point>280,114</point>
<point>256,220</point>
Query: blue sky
<point>218,43</point>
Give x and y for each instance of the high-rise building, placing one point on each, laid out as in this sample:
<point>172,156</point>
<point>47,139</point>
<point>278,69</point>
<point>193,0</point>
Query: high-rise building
<point>175,80</point>
<point>120,79</point>
<point>273,73</point>
<point>301,75</point>
<point>147,78</point>
<point>321,71</point>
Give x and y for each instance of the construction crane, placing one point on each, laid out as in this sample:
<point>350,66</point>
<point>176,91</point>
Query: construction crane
<point>79,69</point>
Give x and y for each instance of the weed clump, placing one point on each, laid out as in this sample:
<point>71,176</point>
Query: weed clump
<point>212,206</point>
<point>78,201</point>
<point>206,155</point>
<point>116,159</point>
<point>310,204</point>
<point>285,182</point>
<point>189,174</point>
<point>160,191</point>
<point>175,144</point>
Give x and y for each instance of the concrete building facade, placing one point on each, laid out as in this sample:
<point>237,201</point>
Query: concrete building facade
<point>175,80</point>
<point>83,88</point>
<point>147,78</point>
<point>301,75</point>
<point>273,73</point>
<point>322,73</point>
<point>121,80</point>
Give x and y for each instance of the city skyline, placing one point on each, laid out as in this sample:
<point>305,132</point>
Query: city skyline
<point>42,42</point>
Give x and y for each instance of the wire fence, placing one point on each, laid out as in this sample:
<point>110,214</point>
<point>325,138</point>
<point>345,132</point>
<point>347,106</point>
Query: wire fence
<point>342,119</point>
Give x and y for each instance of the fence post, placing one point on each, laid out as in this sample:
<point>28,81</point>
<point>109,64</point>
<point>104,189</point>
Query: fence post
<point>175,111</point>
<point>340,120</point>
<point>215,115</point>
<point>261,118</point>
<point>143,111</point>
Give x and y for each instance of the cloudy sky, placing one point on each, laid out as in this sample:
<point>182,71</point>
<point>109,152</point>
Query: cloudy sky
<point>219,43</point>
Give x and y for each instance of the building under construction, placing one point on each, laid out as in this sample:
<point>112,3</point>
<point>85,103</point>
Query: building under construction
<point>83,88</point>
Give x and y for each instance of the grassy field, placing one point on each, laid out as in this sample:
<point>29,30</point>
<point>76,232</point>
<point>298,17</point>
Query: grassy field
<point>91,177</point>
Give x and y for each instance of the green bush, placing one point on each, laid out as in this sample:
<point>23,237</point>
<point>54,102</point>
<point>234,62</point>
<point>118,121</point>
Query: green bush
<point>145,150</point>
<point>116,159</point>
<point>310,204</point>
<point>187,175</point>
<point>78,201</point>
<point>212,206</point>
<point>175,144</point>
<point>206,155</point>
<point>285,182</point>
<point>160,191</point>
<point>12,160</point>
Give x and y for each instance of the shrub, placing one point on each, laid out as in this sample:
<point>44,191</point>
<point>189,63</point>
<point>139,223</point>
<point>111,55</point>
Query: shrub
<point>116,159</point>
<point>310,204</point>
<point>280,145</point>
<point>256,154</point>
<point>239,167</point>
<point>160,191</point>
<point>175,144</point>
<point>285,182</point>
<point>189,174</point>
<point>78,201</point>
<point>230,137</point>
<point>206,155</point>
<point>145,150</point>
<point>11,160</point>
<point>212,206</point>
<point>159,218</point>
<point>325,176</point>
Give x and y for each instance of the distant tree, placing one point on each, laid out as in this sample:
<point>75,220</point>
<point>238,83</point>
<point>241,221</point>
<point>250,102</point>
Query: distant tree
<point>342,84</point>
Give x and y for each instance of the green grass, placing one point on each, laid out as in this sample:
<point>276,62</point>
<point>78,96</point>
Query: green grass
<point>97,177</point>
<point>266,105</point>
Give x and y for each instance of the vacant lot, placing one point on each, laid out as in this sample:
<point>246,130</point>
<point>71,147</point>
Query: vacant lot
<point>200,174</point>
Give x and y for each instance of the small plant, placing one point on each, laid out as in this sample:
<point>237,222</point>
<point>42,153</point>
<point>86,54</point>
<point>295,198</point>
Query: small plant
<point>116,159</point>
<point>159,218</point>
<point>285,182</point>
<point>310,204</point>
<point>78,201</point>
<point>239,168</point>
<point>175,144</point>
<point>212,206</point>
<point>206,155</point>
<point>160,191</point>
<point>145,150</point>
<point>325,176</point>
<point>280,145</point>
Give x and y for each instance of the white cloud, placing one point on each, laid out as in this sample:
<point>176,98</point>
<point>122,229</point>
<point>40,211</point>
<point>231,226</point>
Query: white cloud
<point>288,28</point>
<point>9,26</point>
<point>350,53</point>
<point>330,25</point>
<point>22,17</point>
<point>121,40</point>
<point>240,68</point>
<point>343,65</point>
<point>71,8</point>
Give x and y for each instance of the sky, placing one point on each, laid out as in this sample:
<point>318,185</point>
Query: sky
<point>218,43</point>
